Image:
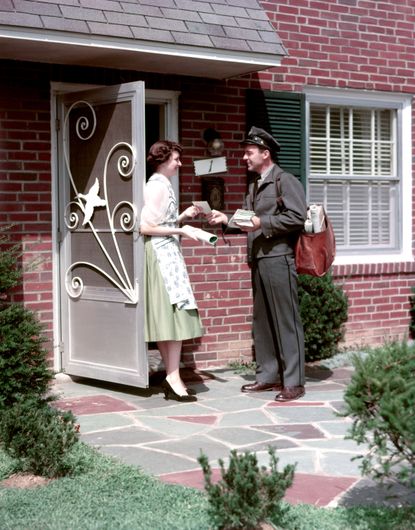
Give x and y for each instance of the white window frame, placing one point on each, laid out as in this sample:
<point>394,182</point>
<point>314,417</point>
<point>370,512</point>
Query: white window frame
<point>169,101</point>
<point>402,103</point>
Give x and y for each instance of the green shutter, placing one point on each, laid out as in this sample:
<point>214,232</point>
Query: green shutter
<point>283,115</point>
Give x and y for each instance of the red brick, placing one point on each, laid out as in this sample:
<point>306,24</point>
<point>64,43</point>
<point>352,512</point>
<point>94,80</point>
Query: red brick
<point>365,56</point>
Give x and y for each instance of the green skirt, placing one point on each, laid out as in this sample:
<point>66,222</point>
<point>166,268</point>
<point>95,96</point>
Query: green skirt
<point>164,321</point>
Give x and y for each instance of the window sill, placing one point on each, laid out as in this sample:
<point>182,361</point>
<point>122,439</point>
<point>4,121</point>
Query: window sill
<point>373,259</point>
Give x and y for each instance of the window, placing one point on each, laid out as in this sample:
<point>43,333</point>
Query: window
<point>354,155</point>
<point>353,171</point>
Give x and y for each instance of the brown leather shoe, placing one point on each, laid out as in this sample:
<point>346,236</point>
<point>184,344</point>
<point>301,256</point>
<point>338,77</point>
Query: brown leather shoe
<point>290,393</point>
<point>261,387</point>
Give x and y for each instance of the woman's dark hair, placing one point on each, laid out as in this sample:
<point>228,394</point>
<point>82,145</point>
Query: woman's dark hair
<point>160,152</point>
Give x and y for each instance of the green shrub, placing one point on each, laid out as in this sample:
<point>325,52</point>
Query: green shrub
<point>31,431</point>
<point>380,398</point>
<point>246,495</point>
<point>243,367</point>
<point>323,309</point>
<point>39,436</point>
<point>24,367</point>
<point>9,274</point>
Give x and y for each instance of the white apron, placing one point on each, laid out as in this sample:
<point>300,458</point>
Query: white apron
<point>170,259</point>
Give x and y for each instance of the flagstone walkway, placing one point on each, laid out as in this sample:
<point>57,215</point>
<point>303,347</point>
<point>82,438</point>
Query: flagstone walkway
<point>164,438</point>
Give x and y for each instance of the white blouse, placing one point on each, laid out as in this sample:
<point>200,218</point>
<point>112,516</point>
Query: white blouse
<point>156,200</point>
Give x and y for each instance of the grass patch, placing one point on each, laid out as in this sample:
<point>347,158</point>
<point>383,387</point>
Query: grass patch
<point>105,494</point>
<point>305,517</point>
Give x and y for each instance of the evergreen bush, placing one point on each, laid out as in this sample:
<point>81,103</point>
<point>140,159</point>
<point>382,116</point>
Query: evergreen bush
<point>38,436</point>
<point>380,398</point>
<point>247,494</point>
<point>9,273</point>
<point>24,368</point>
<point>323,309</point>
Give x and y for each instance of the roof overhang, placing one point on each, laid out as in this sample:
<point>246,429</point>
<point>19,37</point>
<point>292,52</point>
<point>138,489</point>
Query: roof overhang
<point>127,54</point>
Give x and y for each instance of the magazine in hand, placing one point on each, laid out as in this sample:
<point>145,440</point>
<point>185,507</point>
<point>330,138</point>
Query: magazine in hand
<point>206,237</point>
<point>241,218</point>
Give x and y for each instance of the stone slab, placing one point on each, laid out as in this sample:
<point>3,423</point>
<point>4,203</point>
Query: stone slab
<point>94,404</point>
<point>309,489</point>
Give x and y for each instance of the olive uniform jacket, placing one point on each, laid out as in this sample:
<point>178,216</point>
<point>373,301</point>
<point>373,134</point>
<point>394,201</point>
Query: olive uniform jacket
<point>282,211</point>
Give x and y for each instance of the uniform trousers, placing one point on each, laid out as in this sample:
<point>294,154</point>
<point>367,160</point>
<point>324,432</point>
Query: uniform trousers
<point>277,328</point>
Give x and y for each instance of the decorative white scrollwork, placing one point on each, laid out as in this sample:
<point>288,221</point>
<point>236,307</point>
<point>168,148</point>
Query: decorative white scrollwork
<point>128,220</point>
<point>83,123</point>
<point>87,203</point>
<point>71,218</point>
<point>75,285</point>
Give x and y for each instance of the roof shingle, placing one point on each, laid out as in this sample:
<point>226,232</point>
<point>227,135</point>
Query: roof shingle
<point>216,38</point>
<point>164,21</point>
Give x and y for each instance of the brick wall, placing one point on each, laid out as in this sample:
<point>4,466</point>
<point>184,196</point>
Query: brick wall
<point>25,184</point>
<point>379,307</point>
<point>378,301</point>
<point>220,276</point>
<point>365,45</point>
<point>356,44</point>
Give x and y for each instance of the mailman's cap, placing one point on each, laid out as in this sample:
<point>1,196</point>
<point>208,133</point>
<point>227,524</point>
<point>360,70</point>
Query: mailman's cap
<point>257,136</point>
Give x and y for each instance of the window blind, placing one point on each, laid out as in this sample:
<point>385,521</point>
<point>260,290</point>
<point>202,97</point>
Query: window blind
<point>352,171</point>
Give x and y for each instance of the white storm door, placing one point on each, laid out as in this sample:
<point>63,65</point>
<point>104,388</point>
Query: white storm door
<point>102,174</point>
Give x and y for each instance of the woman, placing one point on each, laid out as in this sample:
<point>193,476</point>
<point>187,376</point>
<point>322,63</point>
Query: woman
<point>171,310</point>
